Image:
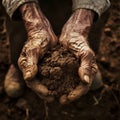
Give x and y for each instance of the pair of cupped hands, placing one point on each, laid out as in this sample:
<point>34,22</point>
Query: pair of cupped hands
<point>41,38</point>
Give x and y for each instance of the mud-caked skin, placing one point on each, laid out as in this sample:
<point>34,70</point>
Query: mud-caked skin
<point>74,37</point>
<point>41,37</point>
<point>14,85</point>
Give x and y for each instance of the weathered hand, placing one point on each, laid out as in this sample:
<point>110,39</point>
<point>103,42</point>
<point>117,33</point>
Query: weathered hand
<point>40,38</point>
<point>41,90</point>
<point>34,48</point>
<point>74,37</point>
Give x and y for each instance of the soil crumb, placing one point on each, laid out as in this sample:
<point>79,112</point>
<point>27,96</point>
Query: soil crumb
<point>58,70</point>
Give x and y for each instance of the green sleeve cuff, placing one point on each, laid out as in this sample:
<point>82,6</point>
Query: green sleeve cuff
<point>98,6</point>
<point>11,6</point>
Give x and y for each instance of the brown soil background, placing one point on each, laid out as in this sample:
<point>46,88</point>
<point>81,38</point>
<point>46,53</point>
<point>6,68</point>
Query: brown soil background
<point>97,105</point>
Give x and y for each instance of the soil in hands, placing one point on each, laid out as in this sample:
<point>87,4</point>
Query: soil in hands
<point>58,70</point>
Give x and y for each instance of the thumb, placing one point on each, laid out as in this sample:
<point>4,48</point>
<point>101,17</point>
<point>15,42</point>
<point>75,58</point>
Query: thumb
<point>88,67</point>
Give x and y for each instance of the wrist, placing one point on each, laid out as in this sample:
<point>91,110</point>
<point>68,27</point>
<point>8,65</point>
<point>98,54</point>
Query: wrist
<point>83,20</point>
<point>30,11</point>
<point>32,18</point>
<point>84,14</point>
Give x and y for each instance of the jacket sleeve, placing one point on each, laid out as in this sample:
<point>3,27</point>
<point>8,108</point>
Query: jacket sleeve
<point>12,5</point>
<point>98,6</point>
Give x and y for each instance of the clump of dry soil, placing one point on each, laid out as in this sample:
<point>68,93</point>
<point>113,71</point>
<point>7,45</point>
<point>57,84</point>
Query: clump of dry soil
<point>58,71</point>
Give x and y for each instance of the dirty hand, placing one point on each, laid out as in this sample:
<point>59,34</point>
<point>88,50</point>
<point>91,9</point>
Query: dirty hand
<point>74,37</point>
<point>40,38</point>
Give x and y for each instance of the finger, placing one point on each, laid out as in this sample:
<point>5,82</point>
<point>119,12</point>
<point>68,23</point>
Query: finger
<point>75,94</point>
<point>41,90</point>
<point>88,67</point>
<point>49,98</point>
<point>63,99</point>
<point>78,92</point>
<point>28,61</point>
<point>36,86</point>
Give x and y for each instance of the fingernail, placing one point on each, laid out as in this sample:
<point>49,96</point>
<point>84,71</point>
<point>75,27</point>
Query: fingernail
<point>87,79</point>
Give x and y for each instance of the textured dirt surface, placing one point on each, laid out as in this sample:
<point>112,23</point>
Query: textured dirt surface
<point>58,71</point>
<point>96,105</point>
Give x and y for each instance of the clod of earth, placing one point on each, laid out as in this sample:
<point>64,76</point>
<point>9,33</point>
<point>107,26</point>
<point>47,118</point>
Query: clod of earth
<point>58,70</point>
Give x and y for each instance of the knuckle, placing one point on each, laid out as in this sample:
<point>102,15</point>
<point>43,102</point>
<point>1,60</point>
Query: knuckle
<point>23,53</point>
<point>63,41</point>
<point>89,52</point>
<point>94,68</point>
<point>88,56</point>
<point>22,63</point>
